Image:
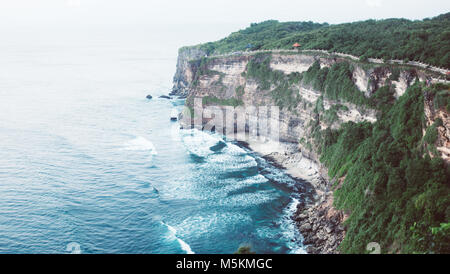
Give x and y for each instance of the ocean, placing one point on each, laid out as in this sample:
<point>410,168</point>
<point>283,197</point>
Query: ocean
<point>89,165</point>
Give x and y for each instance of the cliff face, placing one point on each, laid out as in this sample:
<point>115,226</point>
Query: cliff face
<point>438,117</point>
<point>184,74</point>
<point>226,79</point>
<point>223,78</point>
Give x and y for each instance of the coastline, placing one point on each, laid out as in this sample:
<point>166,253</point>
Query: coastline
<point>320,224</point>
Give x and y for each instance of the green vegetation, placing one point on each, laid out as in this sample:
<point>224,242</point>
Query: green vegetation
<point>257,36</point>
<point>441,235</point>
<point>212,100</point>
<point>397,195</point>
<point>259,69</point>
<point>335,82</point>
<point>441,95</point>
<point>240,91</point>
<point>244,250</point>
<point>395,74</point>
<point>431,134</point>
<point>202,69</point>
<point>315,76</point>
<point>331,115</point>
<point>423,40</point>
<point>383,98</point>
<point>279,84</point>
<point>442,100</point>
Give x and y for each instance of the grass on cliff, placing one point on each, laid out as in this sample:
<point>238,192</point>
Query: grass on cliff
<point>331,115</point>
<point>335,83</point>
<point>279,84</point>
<point>201,66</point>
<point>395,193</point>
<point>441,95</point>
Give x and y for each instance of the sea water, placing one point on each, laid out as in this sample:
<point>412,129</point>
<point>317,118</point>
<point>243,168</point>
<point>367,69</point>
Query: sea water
<point>86,161</point>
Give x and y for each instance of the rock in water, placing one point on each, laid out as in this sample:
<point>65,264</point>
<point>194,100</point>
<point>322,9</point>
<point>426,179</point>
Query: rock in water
<point>149,97</point>
<point>165,97</point>
<point>174,115</point>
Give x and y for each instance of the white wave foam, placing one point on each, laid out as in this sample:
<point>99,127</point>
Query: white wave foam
<point>248,199</point>
<point>235,150</point>
<point>203,223</point>
<point>173,234</point>
<point>226,162</point>
<point>139,144</point>
<point>232,157</point>
<point>199,143</point>
<point>290,230</point>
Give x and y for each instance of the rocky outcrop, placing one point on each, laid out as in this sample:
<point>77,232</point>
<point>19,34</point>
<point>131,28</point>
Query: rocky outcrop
<point>165,97</point>
<point>321,226</point>
<point>369,80</point>
<point>432,114</point>
<point>319,222</point>
<point>291,63</point>
<point>227,75</point>
<point>405,79</point>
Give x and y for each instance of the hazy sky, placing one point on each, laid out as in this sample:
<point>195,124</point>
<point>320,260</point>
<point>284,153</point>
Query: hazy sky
<point>213,11</point>
<point>193,17</point>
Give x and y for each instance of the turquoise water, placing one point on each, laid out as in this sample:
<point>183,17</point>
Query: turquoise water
<point>87,161</point>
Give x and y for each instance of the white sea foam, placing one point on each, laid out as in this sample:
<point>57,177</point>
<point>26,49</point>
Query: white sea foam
<point>290,230</point>
<point>227,163</point>
<point>226,188</point>
<point>235,150</point>
<point>230,158</point>
<point>248,199</point>
<point>173,234</point>
<point>140,144</point>
<point>204,223</point>
<point>199,142</point>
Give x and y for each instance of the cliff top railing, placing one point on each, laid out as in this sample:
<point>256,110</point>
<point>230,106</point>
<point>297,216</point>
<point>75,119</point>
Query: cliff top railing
<point>443,71</point>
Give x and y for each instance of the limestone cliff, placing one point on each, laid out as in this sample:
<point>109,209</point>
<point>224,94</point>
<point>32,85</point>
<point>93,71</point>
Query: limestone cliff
<point>437,119</point>
<point>184,73</point>
<point>224,79</point>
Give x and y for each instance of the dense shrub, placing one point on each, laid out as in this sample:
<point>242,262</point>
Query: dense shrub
<point>431,134</point>
<point>335,82</point>
<point>201,66</point>
<point>279,84</point>
<point>396,196</point>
